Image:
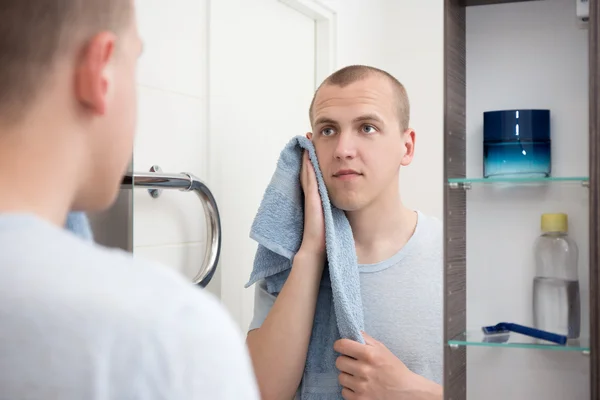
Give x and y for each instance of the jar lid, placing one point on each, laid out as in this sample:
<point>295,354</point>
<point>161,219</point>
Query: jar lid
<point>557,222</point>
<point>516,125</point>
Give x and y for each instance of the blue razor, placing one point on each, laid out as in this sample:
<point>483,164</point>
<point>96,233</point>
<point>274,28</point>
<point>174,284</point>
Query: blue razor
<point>505,327</point>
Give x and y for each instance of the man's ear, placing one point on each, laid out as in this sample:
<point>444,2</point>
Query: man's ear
<point>409,143</point>
<point>309,135</point>
<point>92,76</point>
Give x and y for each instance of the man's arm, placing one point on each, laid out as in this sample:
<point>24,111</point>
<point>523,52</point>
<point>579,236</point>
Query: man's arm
<point>279,347</point>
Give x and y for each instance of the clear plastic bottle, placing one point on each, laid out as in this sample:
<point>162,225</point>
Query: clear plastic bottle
<point>556,301</point>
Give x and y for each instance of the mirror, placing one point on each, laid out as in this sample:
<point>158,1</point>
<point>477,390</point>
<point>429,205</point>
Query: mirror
<point>225,112</point>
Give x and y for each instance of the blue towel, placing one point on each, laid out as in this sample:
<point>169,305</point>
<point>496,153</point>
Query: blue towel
<point>278,229</point>
<point>78,223</point>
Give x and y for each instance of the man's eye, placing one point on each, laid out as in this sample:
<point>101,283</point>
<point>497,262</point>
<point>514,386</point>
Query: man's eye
<point>327,132</point>
<point>368,129</point>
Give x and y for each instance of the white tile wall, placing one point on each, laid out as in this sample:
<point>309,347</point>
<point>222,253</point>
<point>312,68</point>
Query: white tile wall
<point>175,43</point>
<point>171,134</point>
<point>172,122</point>
<point>185,257</point>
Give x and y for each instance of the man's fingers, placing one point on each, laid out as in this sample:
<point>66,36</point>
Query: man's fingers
<point>369,339</point>
<point>349,348</point>
<point>304,177</point>
<point>304,161</point>
<point>310,176</point>
<point>346,380</point>
<point>348,365</point>
<point>309,165</point>
<point>348,394</point>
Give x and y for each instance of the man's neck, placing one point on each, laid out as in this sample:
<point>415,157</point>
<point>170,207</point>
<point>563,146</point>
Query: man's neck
<point>382,228</point>
<point>35,175</point>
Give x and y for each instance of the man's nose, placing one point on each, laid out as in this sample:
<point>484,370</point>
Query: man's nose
<point>345,147</point>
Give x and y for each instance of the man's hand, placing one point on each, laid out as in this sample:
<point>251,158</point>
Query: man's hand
<point>372,372</point>
<point>313,240</point>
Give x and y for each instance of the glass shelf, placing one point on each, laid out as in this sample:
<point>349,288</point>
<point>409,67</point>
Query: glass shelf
<point>516,340</point>
<point>462,182</point>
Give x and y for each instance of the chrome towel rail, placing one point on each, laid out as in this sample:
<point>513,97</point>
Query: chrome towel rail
<point>155,181</point>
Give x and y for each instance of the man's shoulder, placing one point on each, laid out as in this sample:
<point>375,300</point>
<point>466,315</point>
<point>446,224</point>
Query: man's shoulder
<point>425,250</point>
<point>104,313</point>
<point>430,229</point>
<point>43,265</point>
<point>144,292</point>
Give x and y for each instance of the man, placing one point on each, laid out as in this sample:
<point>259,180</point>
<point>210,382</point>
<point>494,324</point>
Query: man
<point>360,121</point>
<point>79,321</point>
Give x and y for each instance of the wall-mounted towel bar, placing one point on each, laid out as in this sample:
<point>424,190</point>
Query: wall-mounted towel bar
<point>155,181</point>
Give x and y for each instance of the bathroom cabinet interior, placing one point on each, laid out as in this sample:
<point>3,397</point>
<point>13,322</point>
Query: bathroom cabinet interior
<point>459,180</point>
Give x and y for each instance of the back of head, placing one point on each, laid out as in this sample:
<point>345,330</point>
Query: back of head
<point>35,34</point>
<point>67,79</point>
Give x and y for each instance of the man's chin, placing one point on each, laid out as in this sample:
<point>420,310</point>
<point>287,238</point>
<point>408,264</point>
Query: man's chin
<point>347,205</point>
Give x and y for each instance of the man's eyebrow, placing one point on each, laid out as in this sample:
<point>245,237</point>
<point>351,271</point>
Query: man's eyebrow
<point>362,118</point>
<point>325,120</point>
<point>368,117</point>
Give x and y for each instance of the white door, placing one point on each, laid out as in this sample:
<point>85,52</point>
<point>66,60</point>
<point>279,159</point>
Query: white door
<point>262,79</point>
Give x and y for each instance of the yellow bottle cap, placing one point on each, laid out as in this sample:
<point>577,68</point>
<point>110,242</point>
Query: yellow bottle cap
<point>557,222</point>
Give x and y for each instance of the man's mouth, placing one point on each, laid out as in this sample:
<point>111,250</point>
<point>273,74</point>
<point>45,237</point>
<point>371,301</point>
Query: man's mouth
<point>346,174</point>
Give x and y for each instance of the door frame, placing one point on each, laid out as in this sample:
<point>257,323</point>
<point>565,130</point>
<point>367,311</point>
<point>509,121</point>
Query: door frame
<point>325,35</point>
<point>594,198</point>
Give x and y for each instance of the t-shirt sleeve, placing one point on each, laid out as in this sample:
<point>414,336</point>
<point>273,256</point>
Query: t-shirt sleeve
<point>263,302</point>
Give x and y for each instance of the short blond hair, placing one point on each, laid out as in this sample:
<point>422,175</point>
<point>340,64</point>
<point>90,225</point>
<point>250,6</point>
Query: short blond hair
<point>355,73</point>
<point>33,34</point>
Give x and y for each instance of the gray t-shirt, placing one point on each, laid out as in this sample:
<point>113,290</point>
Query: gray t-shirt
<point>402,300</point>
<point>79,321</point>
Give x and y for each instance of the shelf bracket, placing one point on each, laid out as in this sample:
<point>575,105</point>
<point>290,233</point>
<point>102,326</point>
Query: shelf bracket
<point>460,185</point>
